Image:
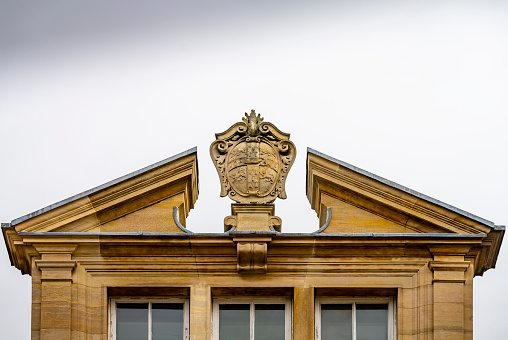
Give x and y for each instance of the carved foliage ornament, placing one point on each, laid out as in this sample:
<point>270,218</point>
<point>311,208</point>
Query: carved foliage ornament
<point>253,159</point>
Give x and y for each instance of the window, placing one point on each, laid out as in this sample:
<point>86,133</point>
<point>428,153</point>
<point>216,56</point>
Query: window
<point>152,319</point>
<point>358,319</point>
<point>249,319</point>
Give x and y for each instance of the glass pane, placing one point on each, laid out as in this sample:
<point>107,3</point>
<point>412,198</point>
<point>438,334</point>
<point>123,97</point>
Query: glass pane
<point>269,322</point>
<point>336,322</point>
<point>131,321</point>
<point>372,321</point>
<point>234,322</point>
<point>167,321</point>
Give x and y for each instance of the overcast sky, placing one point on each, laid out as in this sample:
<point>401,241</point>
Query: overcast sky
<point>413,91</point>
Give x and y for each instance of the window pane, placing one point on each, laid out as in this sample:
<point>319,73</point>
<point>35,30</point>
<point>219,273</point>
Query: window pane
<point>269,322</point>
<point>131,321</point>
<point>234,322</point>
<point>336,322</point>
<point>167,321</point>
<point>372,321</point>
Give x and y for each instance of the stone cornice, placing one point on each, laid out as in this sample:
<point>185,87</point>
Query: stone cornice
<point>218,250</point>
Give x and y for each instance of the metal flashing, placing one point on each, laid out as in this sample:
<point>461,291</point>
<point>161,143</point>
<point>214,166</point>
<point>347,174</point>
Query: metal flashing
<point>102,186</point>
<point>402,188</point>
<point>140,233</point>
<point>177,221</point>
<point>327,222</point>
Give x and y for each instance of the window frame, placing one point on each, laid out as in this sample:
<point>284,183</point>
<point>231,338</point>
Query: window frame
<point>252,301</point>
<point>392,327</point>
<point>150,301</point>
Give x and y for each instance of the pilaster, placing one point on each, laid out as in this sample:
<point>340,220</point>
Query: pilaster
<point>449,268</point>
<point>200,312</point>
<point>56,266</point>
<point>303,313</point>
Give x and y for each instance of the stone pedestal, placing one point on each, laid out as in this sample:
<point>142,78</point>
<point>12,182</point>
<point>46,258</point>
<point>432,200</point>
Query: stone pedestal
<point>251,226</point>
<point>252,217</point>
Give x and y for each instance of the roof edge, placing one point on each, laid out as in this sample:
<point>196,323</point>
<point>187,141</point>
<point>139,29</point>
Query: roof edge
<point>103,186</point>
<point>5,227</point>
<point>403,188</point>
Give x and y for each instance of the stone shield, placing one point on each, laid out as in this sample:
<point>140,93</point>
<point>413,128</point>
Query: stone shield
<point>253,159</point>
<point>253,167</point>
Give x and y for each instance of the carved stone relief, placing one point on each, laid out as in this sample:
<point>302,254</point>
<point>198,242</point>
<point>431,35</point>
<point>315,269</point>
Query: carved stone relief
<point>253,159</point>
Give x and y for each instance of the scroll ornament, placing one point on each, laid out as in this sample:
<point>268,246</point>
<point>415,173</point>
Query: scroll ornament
<point>253,159</point>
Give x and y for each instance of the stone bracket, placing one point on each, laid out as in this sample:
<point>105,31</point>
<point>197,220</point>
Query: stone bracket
<point>251,254</point>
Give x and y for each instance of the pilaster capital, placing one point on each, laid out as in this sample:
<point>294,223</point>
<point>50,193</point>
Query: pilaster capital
<point>55,248</point>
<point>55,262</point>
<point>449,271</point>
<point>448,266</point>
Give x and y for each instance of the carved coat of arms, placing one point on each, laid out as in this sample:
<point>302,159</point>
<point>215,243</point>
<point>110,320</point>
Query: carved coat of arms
<point>253,159</point>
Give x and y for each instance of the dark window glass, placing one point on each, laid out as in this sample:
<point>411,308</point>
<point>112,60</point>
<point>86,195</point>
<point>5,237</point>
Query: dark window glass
<point>234,322</point>
<point>336,321</point>
<point>372,321</point>
<point>269,322</point>
<point>131,321</point>
<point>167,321</point>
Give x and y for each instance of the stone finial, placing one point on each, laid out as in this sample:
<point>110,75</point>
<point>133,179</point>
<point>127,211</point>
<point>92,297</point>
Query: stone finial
<point>253,159</point>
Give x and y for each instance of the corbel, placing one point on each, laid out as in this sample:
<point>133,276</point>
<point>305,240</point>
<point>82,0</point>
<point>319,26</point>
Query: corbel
<point>251,253</point>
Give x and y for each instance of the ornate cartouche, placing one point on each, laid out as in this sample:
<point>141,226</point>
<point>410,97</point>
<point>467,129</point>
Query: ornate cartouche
<point>253,159</point>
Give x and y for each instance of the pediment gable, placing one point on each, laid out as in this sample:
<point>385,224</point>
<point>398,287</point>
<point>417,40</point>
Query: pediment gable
<point>142,201</point>
<point>351,219</point>
<point>361,202</point>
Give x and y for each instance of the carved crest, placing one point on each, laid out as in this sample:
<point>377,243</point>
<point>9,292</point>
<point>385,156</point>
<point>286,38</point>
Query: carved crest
<point>253,159</point>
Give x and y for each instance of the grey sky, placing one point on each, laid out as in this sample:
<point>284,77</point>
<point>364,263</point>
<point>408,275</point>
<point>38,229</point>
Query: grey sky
<point>415,92</point>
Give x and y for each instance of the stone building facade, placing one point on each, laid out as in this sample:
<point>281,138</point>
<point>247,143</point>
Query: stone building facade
<point>385,262</point>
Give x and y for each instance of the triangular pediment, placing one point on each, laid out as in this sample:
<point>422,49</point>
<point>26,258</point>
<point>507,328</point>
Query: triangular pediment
<point>351,219</point>
<point>155,199</point>
<point>361,202</point>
